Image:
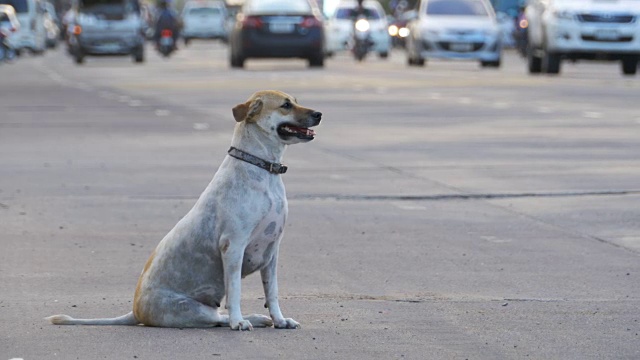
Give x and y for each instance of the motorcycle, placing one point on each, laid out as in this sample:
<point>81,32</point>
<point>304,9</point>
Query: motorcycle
<point>7,53</point>
<point>166,44</point>
<point>362,42</point>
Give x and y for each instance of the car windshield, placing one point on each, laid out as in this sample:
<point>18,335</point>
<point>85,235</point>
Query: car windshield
<point>350,13</point>
<point>204,11</point>
<point>20,6</point>
<point>278,6</point>
<point>456,7</point>
<point>110,9</point>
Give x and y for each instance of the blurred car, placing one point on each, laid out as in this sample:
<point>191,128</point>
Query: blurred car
<point>565,29</point>
<point>32,34</point>
<point>9,24</point>
<point>398,29</point>
<point>339,28</point>
<point>277,29</point>
<point>204,20</point>
<point>107,27</point>
<point>51,24</point>
<point>455,29</point>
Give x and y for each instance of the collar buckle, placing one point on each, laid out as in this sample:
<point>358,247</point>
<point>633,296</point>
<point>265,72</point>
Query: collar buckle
<point>277,168</point>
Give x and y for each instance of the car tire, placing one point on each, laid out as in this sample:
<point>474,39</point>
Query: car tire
<point>534,63</point>
<point>138,55</point>
<point>384,55</point>
<point>236,61</point>
<point>551,63</point>
<point>415,61</point>
<point>494,64</point>
<point>316,61</point>
<point>629,64</point>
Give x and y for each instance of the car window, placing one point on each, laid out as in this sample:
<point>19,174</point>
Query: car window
<point>276,6</point>
<point>204,11</point>
<point>110,9</point>
<point>456,7</point>
<point>20,6</point>
<point>350,13</point>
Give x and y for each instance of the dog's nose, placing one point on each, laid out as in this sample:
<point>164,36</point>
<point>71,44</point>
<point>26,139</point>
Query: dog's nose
<point>317,116</point>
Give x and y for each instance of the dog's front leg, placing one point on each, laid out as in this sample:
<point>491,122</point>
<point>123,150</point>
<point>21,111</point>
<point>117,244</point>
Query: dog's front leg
<point>270,285</point>
<point>232,255</point>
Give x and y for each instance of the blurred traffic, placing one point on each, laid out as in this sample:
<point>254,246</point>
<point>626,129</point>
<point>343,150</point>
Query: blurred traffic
<point>545,33</point>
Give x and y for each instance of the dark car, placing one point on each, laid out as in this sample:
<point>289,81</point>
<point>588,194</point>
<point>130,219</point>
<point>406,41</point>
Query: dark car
<point>278,29</point>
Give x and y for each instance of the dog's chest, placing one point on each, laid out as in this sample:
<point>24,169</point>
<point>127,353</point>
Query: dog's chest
<point>266,236</point>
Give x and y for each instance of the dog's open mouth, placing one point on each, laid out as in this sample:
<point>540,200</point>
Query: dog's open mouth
<point>287,130</point>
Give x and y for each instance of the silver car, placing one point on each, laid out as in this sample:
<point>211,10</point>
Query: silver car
<point>455,29</point>
<point>106,27</point>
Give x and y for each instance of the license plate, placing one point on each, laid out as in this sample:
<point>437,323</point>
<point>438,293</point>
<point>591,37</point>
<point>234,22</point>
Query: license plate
<point>460,47</point>
<point>281,27</point>
<point>606,34</point>
<point>166,41</point>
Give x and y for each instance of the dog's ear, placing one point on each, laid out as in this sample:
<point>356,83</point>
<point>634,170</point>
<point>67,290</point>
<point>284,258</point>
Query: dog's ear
<point>248,110</point>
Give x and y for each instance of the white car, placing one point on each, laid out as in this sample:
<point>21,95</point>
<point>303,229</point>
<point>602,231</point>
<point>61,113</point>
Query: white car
<point>32,35</point>
<point>582,29</point>
<point>339,28</point>
<point>455,29</point>
<point>204,20</point>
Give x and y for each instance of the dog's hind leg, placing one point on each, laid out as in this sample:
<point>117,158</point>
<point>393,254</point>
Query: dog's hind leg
<point>179,311</point>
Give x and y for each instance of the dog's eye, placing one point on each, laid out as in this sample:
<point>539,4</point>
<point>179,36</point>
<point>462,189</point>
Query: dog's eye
<point>286,106</point>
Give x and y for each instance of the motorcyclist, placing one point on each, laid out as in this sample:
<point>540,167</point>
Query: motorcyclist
<point>520,30</point>
<point>358,12</point>
<point>166,19</point>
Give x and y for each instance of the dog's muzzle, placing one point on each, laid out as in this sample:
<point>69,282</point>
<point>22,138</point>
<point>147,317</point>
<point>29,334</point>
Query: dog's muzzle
<point>301,132</point>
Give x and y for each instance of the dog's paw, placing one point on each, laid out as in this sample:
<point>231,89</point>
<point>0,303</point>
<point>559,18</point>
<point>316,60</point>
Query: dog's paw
<point>244,325</point>
<point>287,323</point>
<point>258,320</point>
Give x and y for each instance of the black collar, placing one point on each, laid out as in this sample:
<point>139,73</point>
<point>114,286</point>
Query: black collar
<point>273,168</point>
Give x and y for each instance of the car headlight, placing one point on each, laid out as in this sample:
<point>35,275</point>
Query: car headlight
<point>362,25</point>
<point>563,14</point>
<point>393,30</point>
<point>403,32</point>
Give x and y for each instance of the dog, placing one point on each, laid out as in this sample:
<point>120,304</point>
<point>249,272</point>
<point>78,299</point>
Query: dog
<point>233,230</point>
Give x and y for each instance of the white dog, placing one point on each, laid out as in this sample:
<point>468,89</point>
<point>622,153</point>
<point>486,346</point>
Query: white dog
<point>233,230</point>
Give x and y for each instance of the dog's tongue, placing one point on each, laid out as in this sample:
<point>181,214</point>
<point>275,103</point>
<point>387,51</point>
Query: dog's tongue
<point>301,130</point>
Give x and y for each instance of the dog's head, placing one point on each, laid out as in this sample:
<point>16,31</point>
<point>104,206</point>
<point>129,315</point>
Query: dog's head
<point>280,115</point>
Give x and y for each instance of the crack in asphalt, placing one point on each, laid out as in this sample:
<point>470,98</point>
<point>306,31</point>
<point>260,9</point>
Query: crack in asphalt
<point>445,197</point>
<point>430,298</point>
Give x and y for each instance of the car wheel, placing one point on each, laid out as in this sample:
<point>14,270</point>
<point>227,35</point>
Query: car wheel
<point>138,55</point>
<point>534,63</point>
<point>383,55</point>
<point>551,63</point>
<point>236,61</point>
<point>629,64</point>
<point>317,60</point>
<point>415,61</point>
<point>495,63</point>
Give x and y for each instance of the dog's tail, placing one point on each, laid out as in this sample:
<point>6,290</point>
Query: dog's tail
<point>127,319</point>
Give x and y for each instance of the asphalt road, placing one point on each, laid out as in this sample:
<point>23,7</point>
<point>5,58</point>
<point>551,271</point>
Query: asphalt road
<point>445,212</point>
